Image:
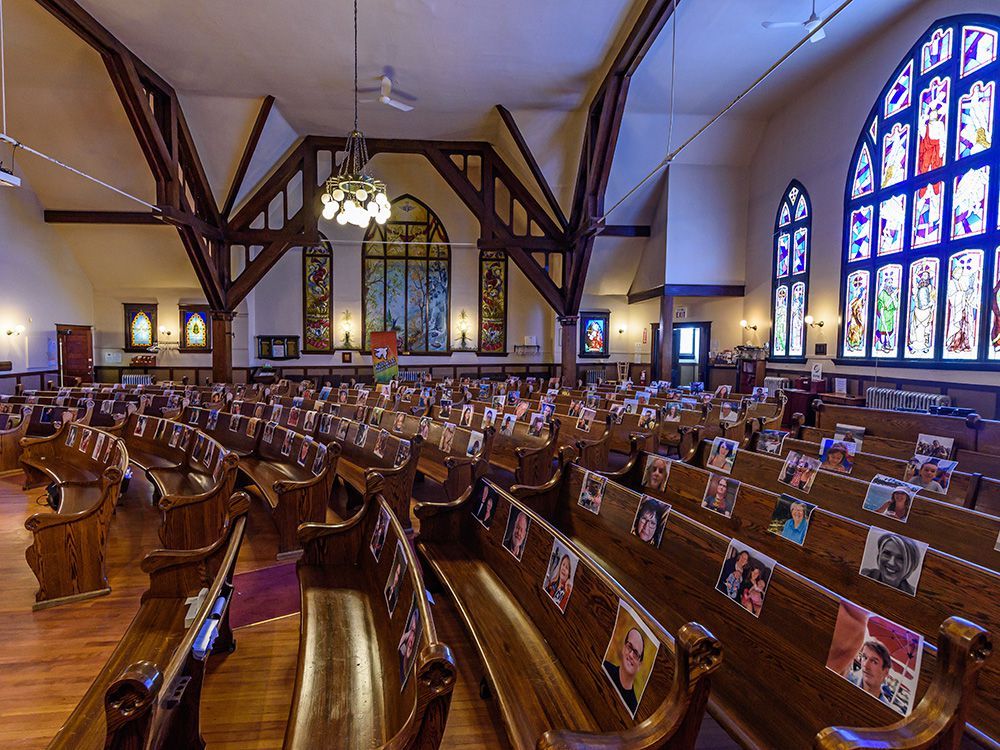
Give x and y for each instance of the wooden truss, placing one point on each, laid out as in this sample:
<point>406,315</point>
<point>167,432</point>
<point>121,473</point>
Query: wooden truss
<point>283,211</point>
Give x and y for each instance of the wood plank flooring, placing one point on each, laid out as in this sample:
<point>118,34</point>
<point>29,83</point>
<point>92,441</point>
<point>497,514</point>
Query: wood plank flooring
<point>49,658</point>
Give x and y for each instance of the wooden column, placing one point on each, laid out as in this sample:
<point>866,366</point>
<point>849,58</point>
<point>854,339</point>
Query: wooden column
<point>222,346</point>
<point>666,337</point>
<point>567,325</point>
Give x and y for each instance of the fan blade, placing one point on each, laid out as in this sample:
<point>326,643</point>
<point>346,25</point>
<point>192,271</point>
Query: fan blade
<point>403,95</point>
<point>828,9</point>
<point>398,105</point>
<point>780,24</point>
<point>818,36</point>
<point>369,90</point>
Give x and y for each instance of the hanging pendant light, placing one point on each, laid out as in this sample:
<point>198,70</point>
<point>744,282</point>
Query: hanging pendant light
<point>353,196</point>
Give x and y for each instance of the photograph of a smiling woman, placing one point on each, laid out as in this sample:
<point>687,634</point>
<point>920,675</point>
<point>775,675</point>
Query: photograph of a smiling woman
<point>893,560</point>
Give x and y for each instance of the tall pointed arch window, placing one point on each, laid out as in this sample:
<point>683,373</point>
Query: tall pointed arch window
<point>920,282</point>
<point>790,279</point>
<point>406,279</point>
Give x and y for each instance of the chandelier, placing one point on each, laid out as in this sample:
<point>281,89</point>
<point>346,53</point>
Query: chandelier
<point>353,195</point>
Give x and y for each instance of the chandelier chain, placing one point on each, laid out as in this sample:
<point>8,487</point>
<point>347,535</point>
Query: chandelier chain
<point>355,64</point>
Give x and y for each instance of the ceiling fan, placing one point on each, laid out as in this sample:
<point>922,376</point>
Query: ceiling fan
<point>384,91</point>
<point>814,20</point>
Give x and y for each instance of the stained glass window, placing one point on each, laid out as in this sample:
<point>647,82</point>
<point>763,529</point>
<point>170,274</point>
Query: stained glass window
<point>790,283</point>
<point>492,302</point>
<point>317,299</point>
<point>921,282</point>
<point>140,327</point>
<point>406,279</point>
<point>196,329</point>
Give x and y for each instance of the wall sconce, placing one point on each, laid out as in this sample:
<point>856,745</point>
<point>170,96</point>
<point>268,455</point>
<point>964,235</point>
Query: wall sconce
<point>464,325</point>
<point>15,330</point>
<point>621,330</point>
<point>164,331</point>
<point>345,325</point>
<point>747,326</point>
<point>812,322</point>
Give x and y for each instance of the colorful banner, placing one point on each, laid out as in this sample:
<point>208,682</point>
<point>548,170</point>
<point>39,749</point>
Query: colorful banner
<point>384,356</point>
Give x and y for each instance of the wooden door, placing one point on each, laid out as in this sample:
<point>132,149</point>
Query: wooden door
<point>76,354</point>
<point>654,352</point>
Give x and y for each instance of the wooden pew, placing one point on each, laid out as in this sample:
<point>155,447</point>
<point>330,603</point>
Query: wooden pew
<point>961,490</point>
<point>545,667</point>
<point>834,546</point>
<point>957,531</point>
<point>148,693</point>
<point>296,486</point>
<point>774,690</point>
<point>350,683</point>
<point>13,427</point>
<point>69,546</point>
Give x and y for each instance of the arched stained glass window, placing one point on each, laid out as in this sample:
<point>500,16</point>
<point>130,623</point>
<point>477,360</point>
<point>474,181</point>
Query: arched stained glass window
<point>196,330</point>
<point>920,280</point>
<point>140,327</point>
<point>406,279</point>
<point>790,282</point>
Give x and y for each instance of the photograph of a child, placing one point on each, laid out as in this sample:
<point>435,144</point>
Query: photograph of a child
<point>934,446</point>
<point>722,457</point>
<point>836,455</point>
<point>507,425</point>
<point>771,441</point>
<point>559,575</point>
<point>890,497</point>
<point>893,560</point>
<point>379,534</point>
<point>586,419</point>
<point>656,473</point>
<point>447,437</point>
<point>592,492</point>
<point>395,581</point>
<point>931,474</point>
<point>489,418</point>
<point>398,421</point>
<point>409,641</point>
<point>515,535</point>
<point>744,576</point>
<point>475,444</point>
<point>799,471</point>
<point>876,655</point>
<point>791,518</point>
<point>630,656</point>
<point>720,494</point>
<point>402,453</point>
<point>485,506</point>
<point>650,520</point>
<point>465,420</point>
<point>381,442</point>
<point>536,425</point>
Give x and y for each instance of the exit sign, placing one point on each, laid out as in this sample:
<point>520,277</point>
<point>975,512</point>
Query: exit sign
<point>680,313</point>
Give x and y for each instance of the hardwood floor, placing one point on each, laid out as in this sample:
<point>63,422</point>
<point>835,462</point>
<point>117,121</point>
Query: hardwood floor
<point>49,658</point>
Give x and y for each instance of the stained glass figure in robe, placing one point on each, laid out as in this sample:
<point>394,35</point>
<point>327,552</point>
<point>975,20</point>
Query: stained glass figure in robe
<point>928,205</point>
<point>921,318</point>
<point>864,179</point>
<point>970,203</point>
<point>895,154</point>
<point>796,325</point>
<point>963,305</point>
<point>975,119</point>
<point>888,285</point>
<point>936,51</point>
<point>861,234</point>
<point>141,330</point>
<point>891,219</point>
<point>979,48</point>
<point>783,242</point>
<point>856,314</point>
<point>780,321</point>
<point>799,251</point>
<point>932,125</point>
<point>195,331</point>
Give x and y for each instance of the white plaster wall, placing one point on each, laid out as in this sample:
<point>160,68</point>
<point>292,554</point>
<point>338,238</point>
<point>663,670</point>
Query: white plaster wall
<point>812,139</point>
<point>41,283</point>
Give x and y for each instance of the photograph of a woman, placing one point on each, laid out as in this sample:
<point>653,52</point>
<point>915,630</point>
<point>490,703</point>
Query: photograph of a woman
<point>723,455</point>
<point>720,495</point>
<point>836,455</point>
<point>656,473</point>
<point>408,642</point>
<point>893,560</point>
<point>395,581</point>
<point>558,582</point>
<point>650,520</point>
<point>744,576</point>
<point>790,518</point>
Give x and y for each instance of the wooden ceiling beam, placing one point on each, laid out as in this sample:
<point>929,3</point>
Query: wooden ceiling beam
<point>101,217</point>
<point>529,158</point>
<point>624,230</point>
<point>248,151</point>
<point>254,272</point>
